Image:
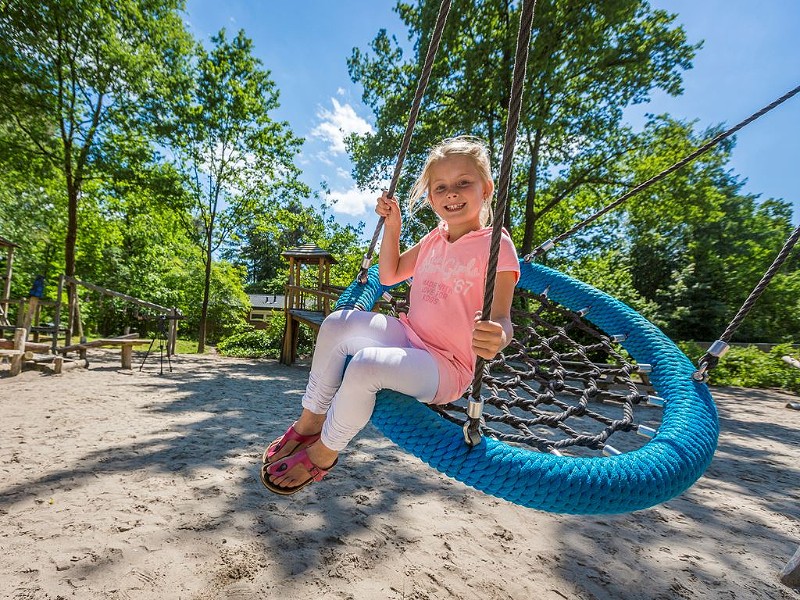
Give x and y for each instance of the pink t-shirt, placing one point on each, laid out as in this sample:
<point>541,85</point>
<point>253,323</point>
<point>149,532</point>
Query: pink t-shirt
<point>449,281</point>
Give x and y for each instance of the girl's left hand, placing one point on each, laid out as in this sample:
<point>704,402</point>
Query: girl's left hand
<point>488,338</point>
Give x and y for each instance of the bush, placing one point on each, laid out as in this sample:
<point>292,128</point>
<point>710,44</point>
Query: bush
<point>747,366</point>
<point>247,342</point>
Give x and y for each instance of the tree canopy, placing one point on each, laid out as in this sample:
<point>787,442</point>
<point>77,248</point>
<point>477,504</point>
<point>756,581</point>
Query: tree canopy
<point>685,253</point>
<point>146,161</point>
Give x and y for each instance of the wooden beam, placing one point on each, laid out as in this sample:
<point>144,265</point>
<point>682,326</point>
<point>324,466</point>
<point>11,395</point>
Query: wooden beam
<point>104,342</point>
<point>108,292</point>
<point>32,346</point>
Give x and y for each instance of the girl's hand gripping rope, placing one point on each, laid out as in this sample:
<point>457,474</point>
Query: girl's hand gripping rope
<point>488,338</point>
<point>389,209</point>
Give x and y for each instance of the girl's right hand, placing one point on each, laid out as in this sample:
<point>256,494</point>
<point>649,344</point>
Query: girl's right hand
<point>389,209</point>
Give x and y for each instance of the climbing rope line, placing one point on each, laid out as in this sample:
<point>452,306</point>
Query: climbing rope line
<point>558,367</point>
<point>549,244</point>
<point>422,84</point>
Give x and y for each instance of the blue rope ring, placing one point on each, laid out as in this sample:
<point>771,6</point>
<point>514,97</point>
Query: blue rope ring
<point>663,468</point>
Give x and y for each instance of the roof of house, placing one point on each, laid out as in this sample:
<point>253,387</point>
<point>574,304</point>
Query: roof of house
<point>7,243</point>
<point>309,252</point>
<point>273,301</point>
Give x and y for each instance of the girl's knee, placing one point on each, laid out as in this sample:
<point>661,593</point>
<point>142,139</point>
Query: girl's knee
<point>333,323</point>
<point>365,369</point>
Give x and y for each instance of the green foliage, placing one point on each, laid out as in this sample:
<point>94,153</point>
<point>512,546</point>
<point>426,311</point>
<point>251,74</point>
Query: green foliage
<point>698,245</point>
<point>256,343</point>
<point>228,304</point>
<point>72,74</point>
<point>247,342</point>
<point>588,61</point>
<point>234,159</point>
<point>282,225</point>
<point>610,272</point>
<point>747,366</point>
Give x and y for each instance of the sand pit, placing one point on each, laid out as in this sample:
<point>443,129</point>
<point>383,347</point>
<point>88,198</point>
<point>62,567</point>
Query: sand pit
<point>127,484</point>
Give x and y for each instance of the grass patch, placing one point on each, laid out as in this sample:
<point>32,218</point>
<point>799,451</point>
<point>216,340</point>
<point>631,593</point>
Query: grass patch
<point>747,366</point>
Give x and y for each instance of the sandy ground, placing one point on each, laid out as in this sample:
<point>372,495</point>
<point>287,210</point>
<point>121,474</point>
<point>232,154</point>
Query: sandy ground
<point>134,485</point>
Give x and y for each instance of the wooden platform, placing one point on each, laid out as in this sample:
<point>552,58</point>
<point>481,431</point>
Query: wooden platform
<point>294,318</point>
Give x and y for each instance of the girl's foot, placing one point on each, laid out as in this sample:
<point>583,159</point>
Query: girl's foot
<point>297,474</point>
<point>301,434</point>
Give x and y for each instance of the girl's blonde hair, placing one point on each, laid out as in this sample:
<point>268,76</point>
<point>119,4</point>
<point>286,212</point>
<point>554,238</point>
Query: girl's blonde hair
<point>463,145</point>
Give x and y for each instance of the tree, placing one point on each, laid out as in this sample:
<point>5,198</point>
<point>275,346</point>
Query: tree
<point>588,61</point>
<point>284,225</point>
<point>233,157</point>
<point>697,244</point>
<point>72,72</point>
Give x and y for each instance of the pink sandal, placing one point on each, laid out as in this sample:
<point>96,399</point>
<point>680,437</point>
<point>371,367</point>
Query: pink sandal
<point>303,441</point>
<point>284,464</point>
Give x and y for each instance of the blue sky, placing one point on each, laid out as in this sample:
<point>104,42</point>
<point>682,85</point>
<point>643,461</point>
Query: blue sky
<point>750,57</point>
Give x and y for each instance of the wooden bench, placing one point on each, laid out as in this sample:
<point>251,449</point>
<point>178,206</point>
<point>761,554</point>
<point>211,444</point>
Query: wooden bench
<point>126,344</point>
<point>15,358</point>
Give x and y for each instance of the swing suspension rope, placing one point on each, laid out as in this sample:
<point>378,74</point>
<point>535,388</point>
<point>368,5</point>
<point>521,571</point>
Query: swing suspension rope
<point>422,84</point>
<point>549,244</point>
<point>472,426</point>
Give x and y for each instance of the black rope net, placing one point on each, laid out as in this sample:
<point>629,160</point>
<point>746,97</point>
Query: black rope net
<point>561,386</point>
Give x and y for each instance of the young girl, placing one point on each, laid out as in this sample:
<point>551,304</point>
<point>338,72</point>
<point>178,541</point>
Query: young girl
<point>428,354</point>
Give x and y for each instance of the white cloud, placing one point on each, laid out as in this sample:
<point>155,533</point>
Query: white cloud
<point>324,158</point>
<point>353,201</point>
<point>337,124</point>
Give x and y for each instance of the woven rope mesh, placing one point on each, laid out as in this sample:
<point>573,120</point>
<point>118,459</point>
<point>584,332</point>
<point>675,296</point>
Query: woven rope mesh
<point>561,385</point>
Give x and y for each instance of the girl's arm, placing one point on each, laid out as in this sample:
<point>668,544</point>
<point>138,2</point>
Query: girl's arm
<point>490,337</point>
<point>393,266</point>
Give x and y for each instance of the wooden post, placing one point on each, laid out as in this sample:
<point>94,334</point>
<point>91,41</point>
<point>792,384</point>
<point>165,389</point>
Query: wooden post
<point>70,312</point>
<point>7,286</point>
<point>288,335</point>
<point>790,575</point>
<point>320,271</point>
<point>127,356</point>
<point>81,337</point>
<point>57,315</point>
<point>27,322</point>
<point>36,320</point>
<point>173,332</point>
<point>20,337</point>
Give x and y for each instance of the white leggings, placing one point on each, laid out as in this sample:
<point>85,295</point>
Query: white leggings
<point>382,358</point>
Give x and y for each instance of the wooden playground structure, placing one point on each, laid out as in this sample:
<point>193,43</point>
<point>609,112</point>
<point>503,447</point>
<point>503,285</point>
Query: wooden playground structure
<point>42,330</point>
<point>308,305</point>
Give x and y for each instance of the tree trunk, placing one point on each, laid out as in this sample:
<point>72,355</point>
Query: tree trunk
<point>530,196</point>
<point>70,241</point>
<point>201,336</point>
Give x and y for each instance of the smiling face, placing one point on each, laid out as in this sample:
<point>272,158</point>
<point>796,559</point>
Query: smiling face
<point>456,192</point>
